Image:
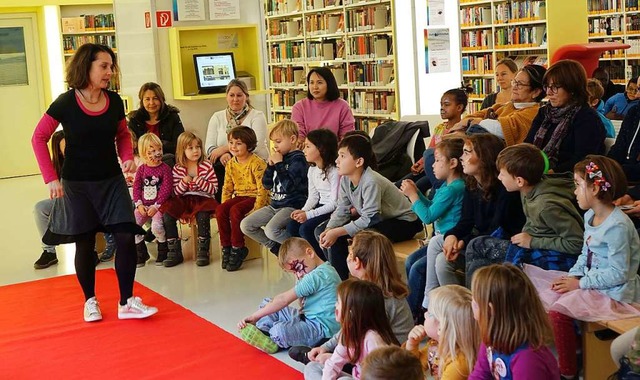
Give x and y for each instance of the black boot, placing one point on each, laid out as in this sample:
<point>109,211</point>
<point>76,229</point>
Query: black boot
<point>202,257</point>
<point>163,248</point>
<point>143,254</point>
<point>238,254</point>
<point>174,255</point>
<point>226,253</point>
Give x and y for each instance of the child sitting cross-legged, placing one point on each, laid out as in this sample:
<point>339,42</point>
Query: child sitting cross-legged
<point>552,234</point>
<point>285,325</point>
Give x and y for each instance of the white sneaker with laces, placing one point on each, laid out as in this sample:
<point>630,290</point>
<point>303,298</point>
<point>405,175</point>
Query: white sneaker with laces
<point>135,309</point>
<point>92,310</point>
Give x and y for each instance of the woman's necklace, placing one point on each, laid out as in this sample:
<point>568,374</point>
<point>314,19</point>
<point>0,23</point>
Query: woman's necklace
<point>87,100</point>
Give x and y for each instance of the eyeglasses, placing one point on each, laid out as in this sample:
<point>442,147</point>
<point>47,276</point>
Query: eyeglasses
<point>552,88</point>
<point>516,84</point>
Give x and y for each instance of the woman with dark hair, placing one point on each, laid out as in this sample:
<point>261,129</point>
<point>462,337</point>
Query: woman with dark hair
<point>157,117</point>
<point>91,194</point>
<point>567,129</point>
<point>511,121</point>
<point>239,112</point>
<point>323,107</point>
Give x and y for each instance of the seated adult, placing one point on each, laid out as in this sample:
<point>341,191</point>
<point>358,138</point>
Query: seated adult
<point>567,129</point>
<point>323,107</point>
<point>506,70</point>
<point>157,117</point>
<point>610,88</point>
<point>617,106</point>
<point>511,121</point>
<point>239,112</point>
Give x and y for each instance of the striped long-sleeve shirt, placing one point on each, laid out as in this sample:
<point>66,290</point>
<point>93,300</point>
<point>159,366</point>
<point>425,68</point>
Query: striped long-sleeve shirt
<point>204,184</point>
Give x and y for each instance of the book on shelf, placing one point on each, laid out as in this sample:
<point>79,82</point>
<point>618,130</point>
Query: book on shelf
<point>367,125</point>
<point>520,36</point>
<point>606,6</point>
<point>475,16</point>
<point>276,7</point>
<point>476,39</point>
<point>372,102</point>
<point>519,11</point>
<point>524,60</point>
<point>477,64</point>
<point>88,23</point>
<point>289,51</point>
<point>370,74</point>
<point>287,76</point>
<point>375,46</point>
<point>368,18</point>
<point>606,25</point>
<point>285,99</point>
<point>70,43</point>
<point>318,24</point>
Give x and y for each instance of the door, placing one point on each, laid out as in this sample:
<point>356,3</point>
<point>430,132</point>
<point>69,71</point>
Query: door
<point>21,93</point>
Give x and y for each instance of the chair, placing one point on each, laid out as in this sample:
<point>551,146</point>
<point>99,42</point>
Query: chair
<point>587,54</point>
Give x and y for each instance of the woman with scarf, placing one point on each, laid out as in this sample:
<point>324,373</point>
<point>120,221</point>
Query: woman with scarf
<point>567,129</point>
<point>157,117</point>
<point>239,112</point>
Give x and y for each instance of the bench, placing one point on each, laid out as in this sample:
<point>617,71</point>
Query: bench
<point>596,355</point>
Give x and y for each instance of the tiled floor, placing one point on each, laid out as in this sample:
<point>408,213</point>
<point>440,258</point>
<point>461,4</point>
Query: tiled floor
<point>212,293</point>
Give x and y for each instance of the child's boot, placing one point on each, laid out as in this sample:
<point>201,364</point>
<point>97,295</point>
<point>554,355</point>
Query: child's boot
<point>226,253</point>
<point>143,254</point>
<point>174,255</point>
<point>202,257</point>
<point>238,254</point>
<point>163,248</point>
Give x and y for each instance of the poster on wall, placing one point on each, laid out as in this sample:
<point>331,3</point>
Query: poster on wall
<point>224,9</point>
<point>437,50</point>
<point>435,12</point>
<point>188,10</point>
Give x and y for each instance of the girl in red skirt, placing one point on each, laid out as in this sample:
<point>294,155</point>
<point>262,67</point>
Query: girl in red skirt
<point>194,184</point>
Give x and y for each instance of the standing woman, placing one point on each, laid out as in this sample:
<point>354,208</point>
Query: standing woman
<point>157,117</point>
<point>92,194</point>
<point>323,107</point>
<point>239,112</point>
<point>506,70</point>
<point>567,129</point>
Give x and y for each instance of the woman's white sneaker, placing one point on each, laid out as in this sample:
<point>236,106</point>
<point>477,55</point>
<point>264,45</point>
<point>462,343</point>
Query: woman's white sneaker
<point>92,310</point>
<point>135,309</point>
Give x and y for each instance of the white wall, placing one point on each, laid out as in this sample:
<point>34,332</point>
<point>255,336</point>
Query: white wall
<point>420,92</point>
<point>149,59</point>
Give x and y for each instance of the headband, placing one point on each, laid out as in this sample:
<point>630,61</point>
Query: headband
<point>546,162</point>
<point>595,174</point>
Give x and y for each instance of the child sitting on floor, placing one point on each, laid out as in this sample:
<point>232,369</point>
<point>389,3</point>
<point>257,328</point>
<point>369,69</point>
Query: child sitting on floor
<point>391,363</point>
<point>287,326</point>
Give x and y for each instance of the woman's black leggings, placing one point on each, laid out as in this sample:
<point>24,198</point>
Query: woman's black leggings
<point>85,262</point>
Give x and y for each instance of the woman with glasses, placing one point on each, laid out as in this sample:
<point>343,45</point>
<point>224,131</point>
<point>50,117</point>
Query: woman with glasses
<point>510,121</point>
<point>567,129</point>
<point>506,70</point>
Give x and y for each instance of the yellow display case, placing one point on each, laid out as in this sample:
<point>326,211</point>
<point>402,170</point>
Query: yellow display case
<point>243,40</point>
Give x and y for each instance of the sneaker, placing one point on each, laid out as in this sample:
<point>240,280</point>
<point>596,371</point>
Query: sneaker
<point>92,310</point>
<point>299,354</point>
<point>46,260</point>
<point>252,335</point>
<point>135,309</point>
<point>108,254</point>
<point>237,256</point>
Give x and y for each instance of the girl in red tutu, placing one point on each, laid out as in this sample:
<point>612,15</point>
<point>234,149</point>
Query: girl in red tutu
<point>194,184</point>
<point>604,283</point>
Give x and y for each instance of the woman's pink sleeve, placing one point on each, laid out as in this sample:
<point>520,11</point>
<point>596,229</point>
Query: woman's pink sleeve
<point>41,136</point>
<point>123,141</point>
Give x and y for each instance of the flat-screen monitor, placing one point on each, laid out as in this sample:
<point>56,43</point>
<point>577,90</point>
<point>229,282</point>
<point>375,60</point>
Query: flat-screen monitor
<point>214,71</point>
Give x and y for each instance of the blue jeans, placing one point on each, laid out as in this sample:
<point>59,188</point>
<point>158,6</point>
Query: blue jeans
<point>416,267</point>
<point>306,231</point>
<point>287,329</point>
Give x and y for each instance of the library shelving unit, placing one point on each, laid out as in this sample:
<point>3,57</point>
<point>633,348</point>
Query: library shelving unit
<point>241,39</point>
<point>528,31</point>
<point>617,21</point>
<point>91,23</point>
<point>355,39</point>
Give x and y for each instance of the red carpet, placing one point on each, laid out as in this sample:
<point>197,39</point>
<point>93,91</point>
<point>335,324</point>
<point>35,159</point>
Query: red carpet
<point>43,336</point>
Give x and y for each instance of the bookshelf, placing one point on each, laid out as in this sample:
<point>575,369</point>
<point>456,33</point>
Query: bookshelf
<point>617,21</point>
<point>91,23</point>
<point>241,39</point>
<point>355,39</point>
<point>528,31</point>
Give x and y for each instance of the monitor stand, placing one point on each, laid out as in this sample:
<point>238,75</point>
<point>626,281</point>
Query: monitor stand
<point>212,90</point>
